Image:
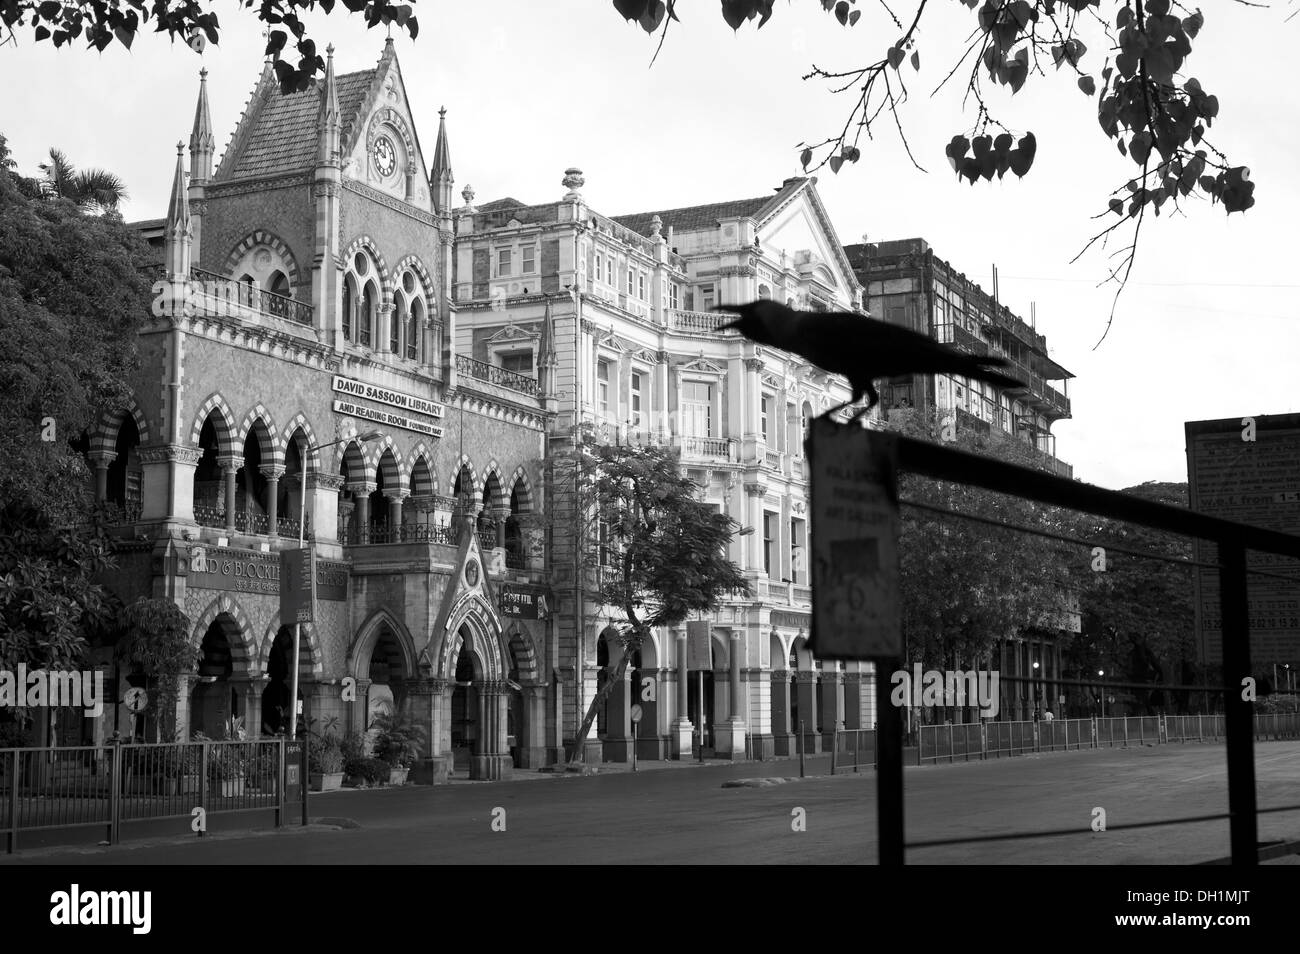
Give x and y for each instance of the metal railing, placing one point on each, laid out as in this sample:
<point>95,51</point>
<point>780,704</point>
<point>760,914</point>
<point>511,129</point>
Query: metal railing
<point>406,533</point>
<point>103,786</point>
<point>222,289</point>
<point>482,371</point>
<point>120,514</point>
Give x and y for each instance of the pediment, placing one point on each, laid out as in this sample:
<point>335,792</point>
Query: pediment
<point>703,366</point>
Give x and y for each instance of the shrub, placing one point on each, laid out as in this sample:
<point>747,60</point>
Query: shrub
<point>369,770</point>
<point>324,754</point>
<point>398,739</point>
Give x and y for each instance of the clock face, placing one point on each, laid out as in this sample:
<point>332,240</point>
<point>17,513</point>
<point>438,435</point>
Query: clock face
<point>385,156</point>
<point>471,573</point>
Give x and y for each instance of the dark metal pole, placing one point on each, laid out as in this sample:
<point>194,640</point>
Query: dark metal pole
<point>889,767</point>
<point>1238,712</point>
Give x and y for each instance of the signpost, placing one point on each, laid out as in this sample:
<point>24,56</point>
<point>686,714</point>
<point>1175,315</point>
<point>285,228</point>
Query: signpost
<point>636,719</point>
<point>855,527</point>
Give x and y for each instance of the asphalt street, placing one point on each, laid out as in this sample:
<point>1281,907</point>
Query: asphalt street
<point>685,815</point>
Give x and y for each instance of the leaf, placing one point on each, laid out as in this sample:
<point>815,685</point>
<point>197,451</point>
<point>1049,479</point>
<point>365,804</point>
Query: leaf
<point>653,15</point>
<point>1088,85</point>
<point>1193,24</point>
<point>1003,143</point>
<point>895,56</point>
<point>1207,183</point>
<point>836,162</point>
<point>1117,206</point>
<point>631,9</point>
<point>916,60</point>
<point>842,12</point>
<point>1139,147</point>
<point>805,157</point>
<point>1023,156</point>
<point>1197,132</point>
<point>124,36</point>
<point>955,150</point>
<point>853,17</point>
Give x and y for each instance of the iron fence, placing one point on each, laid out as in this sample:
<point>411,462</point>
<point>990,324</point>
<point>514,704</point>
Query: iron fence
<point>103,786</point>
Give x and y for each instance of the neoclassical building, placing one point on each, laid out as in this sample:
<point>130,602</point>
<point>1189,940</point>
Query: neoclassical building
<point>616,311</point>
<point>299,376</point>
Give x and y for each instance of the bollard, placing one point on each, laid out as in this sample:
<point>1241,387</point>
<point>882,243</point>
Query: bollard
<point>801,748</point>
<point>835,747</point>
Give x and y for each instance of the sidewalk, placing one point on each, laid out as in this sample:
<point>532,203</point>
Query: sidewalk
<point>622,768</point>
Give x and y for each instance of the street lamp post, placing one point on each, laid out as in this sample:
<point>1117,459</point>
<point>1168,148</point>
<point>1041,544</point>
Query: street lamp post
<point>1101,674</point>
<point>302,524</point>
<point>1037,706</point>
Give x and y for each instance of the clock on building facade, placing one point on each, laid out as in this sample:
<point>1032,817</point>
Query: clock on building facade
<point>385,156</point>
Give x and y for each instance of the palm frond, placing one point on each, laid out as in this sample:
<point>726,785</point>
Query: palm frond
<point>98,187</point>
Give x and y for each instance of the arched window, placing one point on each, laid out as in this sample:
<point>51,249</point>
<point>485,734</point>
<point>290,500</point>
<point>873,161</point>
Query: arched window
<point>413,335</point>
<point>396,324</point>
<point>349,307</point>
<point>366,323</point>
<point>278,284</point>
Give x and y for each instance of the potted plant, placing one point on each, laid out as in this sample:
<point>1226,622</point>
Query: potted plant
<point>398,741</point>
<point>324,762</point>
<point>227,759</point>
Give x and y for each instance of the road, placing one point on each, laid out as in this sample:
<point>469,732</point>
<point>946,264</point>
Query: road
<point>685,815</point>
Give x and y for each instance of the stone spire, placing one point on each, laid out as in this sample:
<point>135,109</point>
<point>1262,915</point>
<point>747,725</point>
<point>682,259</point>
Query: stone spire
<point>440,177</point>
<point>329,121</point>
<point>202,143</point>
<point>177,233</point>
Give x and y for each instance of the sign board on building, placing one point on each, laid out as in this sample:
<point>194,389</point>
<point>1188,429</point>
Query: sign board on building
<point>373,392</point>
<point>252,571</point>
<point>699,645</point>
<point>1248,470</point>
<point>392,419</point>
<point>524,602</point>
<point>297,585</point>
<point>854,543</point>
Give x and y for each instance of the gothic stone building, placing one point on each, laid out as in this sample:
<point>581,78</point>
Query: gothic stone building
<point>304,331</point>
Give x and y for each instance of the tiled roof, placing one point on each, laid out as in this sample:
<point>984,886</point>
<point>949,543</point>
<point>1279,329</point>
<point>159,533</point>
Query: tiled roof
<point>497,205</point>
<point>697,218</point>
<point>284,135</point>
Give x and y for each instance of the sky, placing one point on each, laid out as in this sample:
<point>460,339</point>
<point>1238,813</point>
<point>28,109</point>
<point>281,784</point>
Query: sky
<point>1208,326</point>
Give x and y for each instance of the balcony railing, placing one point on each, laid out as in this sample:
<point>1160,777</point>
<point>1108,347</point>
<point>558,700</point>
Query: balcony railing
<point>120,514</point>
<point>222,289</point>
<point>802,594</point>
<point>482,371</point>
<point>773,459</point>
<point>699,322</point>
<point>715,448</point>
<point>406,533</point>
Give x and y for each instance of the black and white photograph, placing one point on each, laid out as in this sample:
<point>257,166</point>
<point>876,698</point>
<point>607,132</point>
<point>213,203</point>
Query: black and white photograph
<point>649,433</point>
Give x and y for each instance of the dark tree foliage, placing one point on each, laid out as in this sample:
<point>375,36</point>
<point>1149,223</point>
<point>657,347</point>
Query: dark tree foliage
<point>71,298</point>
<point>195,23</point>
<point>1156,112</point>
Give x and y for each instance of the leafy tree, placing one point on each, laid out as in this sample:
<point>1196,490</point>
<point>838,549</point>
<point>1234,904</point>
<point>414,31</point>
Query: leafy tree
<point>666,548</point>
<point>1138,616</point>
<point>1157,114</point>
<point>196,24</point>
<point>156,637</point>
<point>90,189</point>
<point>71,298</point>
<point>966,586</point>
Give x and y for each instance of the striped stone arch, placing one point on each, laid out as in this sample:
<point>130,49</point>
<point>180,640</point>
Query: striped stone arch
<point>309,647</point>
<point>264,237</point>
<point>241,660</point>
<point>524,656</point>
<point>464,463</point>
<point>650,648</point>
<point>227,419</point>
<point>363,647</point>
<point>426,280</point>
<point>475,615</point>
<point>273,448</point>
<point>520,479</point>
<point>300,421</point>
<point>381,264</point>
<point>494,470</point>
<point>104,436</point>
<point>346,434</point>
<point>386,443</point>
<point>421,452</point>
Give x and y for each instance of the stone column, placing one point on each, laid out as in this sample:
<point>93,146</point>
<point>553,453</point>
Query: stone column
<point>682,728</point>
<point>782,734</point>
<point>101,460</point>
<point>250,689</point>
<point>832,714</point>
<point>361,492</point>
<point>729,734</point>
<point>499,516</point>
<point>434,766</point>
<point>395,514</point>
<point>272,473</point>
<point>360,717</point>
<point>754,494</point>
<point>229,469</point>
<point>806,689</point>
<point>488,760</point>
<point>531,736</point>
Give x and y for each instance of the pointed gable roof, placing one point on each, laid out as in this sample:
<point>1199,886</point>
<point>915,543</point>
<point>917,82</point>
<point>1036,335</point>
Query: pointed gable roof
<point>277,134</point>
<point>696,218</point>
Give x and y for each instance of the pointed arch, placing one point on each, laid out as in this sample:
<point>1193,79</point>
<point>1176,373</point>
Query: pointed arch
<point>104,435</point>
<point>309,647</point>
<point>492,487</point>
<point>522,655</point>
<point>474,616</point>
<point>300,423</point>
<point>224,423</point>
<point>241,658</point>
<point>465,466</point>
<point>268,238</point>
<point>519,482</point>
<point>424,478</point>
<point>368,633</point>
<point>414,264</point>
<point>364,243</point>
<point>268,435</point>
<point>387,447</point>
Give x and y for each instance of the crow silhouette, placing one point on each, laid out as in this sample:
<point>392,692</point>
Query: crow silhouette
<point>860,348</point>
